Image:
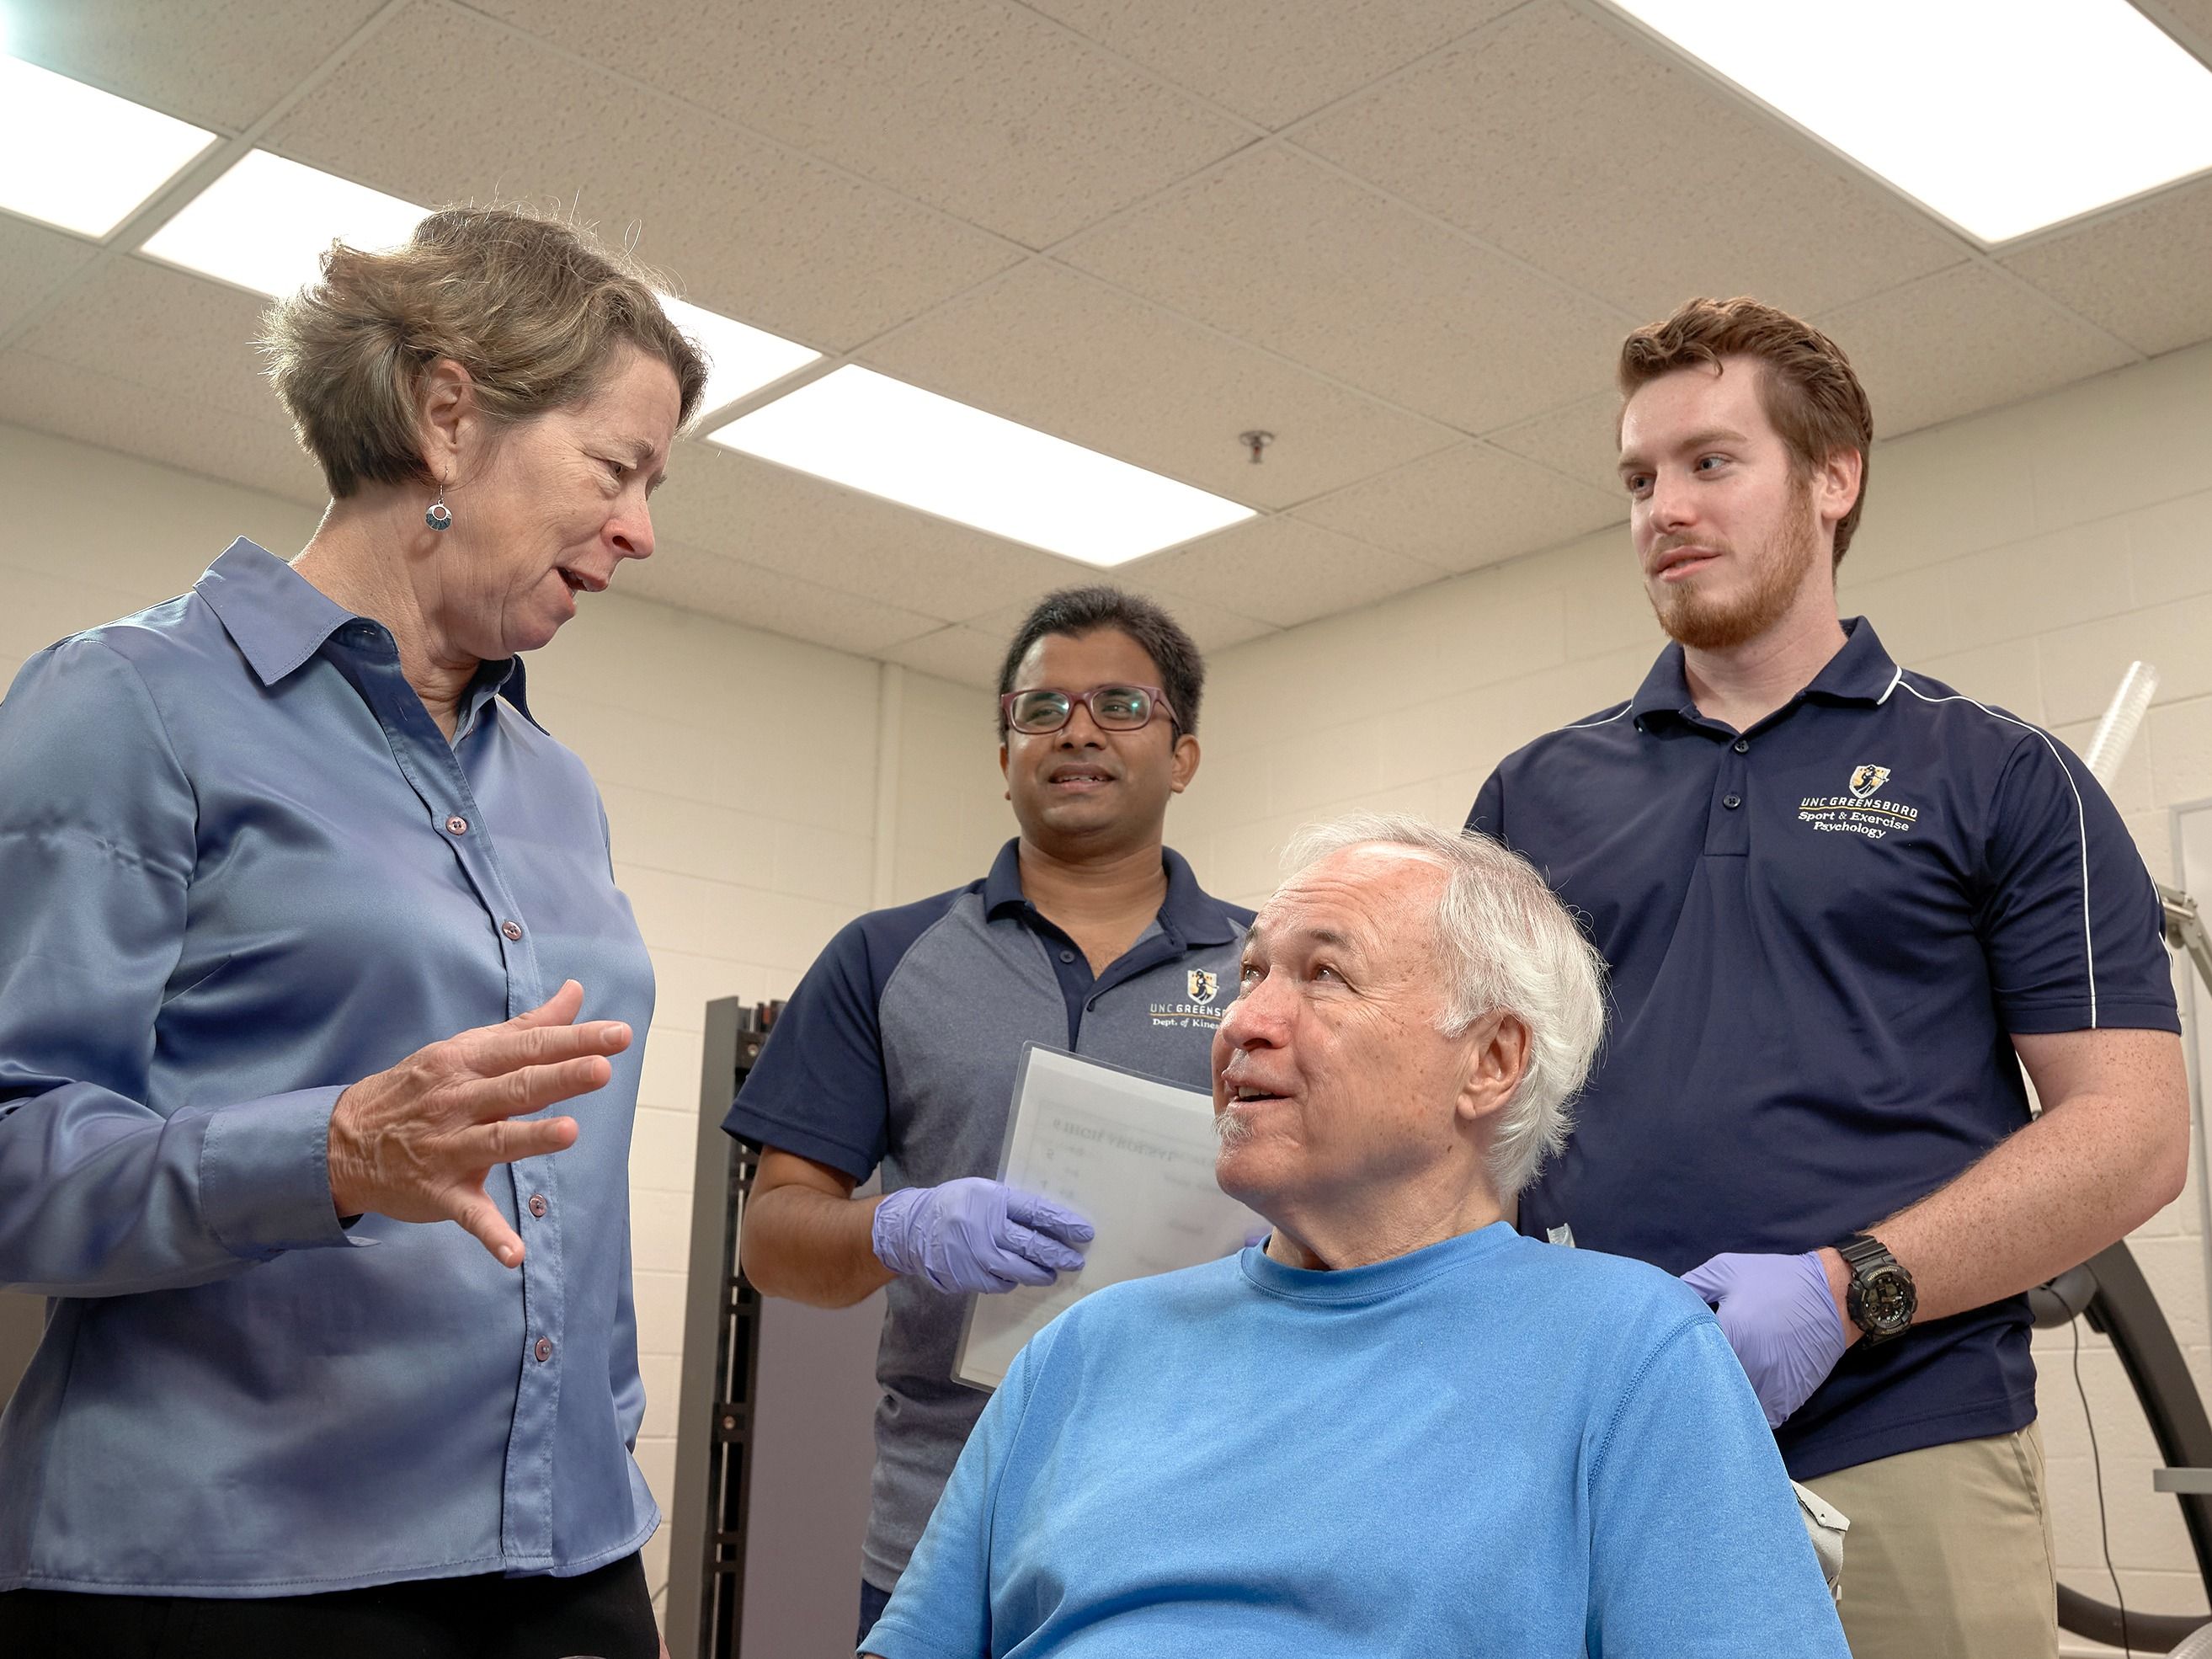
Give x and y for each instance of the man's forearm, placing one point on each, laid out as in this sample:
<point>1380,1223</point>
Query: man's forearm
<point>808,1246</point>
<point>2085,1173</point>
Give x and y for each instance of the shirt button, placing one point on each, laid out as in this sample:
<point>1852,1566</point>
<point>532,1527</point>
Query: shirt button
<point>511,929</point>
<point>538,1205</point>
<point>544,1350</point>
<point>1731,801</point>
<point>1067,956</point>
<point>1743,745</point>
<point>457,825</point>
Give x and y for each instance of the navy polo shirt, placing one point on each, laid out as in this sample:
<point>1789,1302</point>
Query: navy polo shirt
<point>1823,932</point>
<point>900,1048</point>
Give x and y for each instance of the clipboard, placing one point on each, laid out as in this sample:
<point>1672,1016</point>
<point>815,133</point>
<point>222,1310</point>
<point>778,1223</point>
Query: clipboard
<point>1133,1156</point>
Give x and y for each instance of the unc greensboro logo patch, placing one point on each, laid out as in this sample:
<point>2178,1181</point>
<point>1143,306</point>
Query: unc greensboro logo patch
<point>1198,1011</point>
<point>1865,811</point>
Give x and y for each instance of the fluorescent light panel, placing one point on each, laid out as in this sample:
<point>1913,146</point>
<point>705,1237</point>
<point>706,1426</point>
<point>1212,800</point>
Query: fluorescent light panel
<point>81,159</point>
<point>741,358</point>
<point>265,224</point>
<point>869,433</point>
<point>2004,116</point>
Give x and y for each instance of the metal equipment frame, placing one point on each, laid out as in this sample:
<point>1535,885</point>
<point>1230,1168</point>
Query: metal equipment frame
<point>2110,1291</point>
<point>705,1617</point>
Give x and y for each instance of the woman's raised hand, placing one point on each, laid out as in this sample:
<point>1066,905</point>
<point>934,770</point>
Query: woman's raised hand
<point>416,1142</point>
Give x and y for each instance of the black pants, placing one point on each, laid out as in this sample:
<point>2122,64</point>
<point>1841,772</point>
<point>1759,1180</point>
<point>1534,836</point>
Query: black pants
<point>606,1614</point>
<point>872,1603</point>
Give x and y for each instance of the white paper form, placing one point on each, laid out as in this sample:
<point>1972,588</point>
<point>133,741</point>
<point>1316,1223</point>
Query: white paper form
<point>1133,1156</point>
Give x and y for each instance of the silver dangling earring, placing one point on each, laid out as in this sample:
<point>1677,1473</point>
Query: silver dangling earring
<point>438,518</point>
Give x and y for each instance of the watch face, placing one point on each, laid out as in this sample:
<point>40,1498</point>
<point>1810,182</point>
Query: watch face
<point>1886,1300</point>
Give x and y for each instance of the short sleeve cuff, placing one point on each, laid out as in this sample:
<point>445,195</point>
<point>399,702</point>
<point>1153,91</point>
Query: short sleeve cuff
<point>265,1174</point>
<point>747,1122</point>
<point>2110,1014</point>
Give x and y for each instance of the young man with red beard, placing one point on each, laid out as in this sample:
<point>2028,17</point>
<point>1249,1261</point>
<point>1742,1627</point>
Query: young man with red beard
<point>1838,898</point>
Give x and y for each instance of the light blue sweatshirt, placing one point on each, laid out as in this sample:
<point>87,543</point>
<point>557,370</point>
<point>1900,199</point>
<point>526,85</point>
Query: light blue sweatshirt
<point>1491,1446</point>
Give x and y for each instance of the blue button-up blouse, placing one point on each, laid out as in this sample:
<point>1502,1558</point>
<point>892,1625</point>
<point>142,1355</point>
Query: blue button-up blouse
<point>240,867</point>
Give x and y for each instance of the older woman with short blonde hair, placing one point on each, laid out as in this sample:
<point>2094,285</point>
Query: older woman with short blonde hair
<point>309,927</point>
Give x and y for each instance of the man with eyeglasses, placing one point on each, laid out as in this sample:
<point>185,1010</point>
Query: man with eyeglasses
<point>899,1048</point>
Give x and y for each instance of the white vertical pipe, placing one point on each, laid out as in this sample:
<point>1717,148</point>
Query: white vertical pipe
<point>2123,716</point>
<point>890,720</point>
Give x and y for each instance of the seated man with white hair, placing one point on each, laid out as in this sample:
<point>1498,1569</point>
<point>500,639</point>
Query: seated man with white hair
<point>1399,1427</point>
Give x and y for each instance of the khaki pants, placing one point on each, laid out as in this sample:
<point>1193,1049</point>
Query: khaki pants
<point>1949,1555</point>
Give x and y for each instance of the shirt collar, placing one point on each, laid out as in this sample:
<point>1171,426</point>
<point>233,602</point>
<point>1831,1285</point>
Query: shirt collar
<point>278,619</point>
<point>1189,911</point>
<point>1861,672</point>
<point>501,678</point>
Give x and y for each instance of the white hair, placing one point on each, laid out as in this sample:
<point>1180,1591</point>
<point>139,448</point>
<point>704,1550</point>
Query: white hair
<point>1509,946</point>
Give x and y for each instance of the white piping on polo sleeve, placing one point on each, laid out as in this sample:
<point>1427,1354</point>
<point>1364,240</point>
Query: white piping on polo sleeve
<point>2080,817</point>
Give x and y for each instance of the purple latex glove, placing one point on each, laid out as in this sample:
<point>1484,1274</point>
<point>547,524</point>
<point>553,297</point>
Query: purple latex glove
<point>1779,1315</point>
<point>977,1234</point>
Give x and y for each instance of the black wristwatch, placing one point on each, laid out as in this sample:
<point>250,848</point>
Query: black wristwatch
<point>1881,1300</point>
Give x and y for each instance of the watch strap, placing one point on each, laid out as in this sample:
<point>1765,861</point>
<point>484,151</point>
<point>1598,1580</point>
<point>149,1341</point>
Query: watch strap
<point>1861,1251</point>
<point>1869,1259</point>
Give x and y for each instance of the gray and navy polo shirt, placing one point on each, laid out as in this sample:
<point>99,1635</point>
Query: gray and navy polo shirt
<point>1824,933</point>
<point>900,1048</point>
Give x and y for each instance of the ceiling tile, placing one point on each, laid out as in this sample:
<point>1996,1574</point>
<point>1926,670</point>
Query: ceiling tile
<point>99,409</point>
<point>1282,251</point>
<point>1274,61</point>
<point>2140,274</point>
<point>2188,20</point>
<point>1466,507</point>
<point>1065,353</point>
<point>697,579</point>
<point>154,326</point>
<point>1285,571</point>
<point>221,64</point>
<point>1211,627</point>
<point>34,261</point>
<point>963,656</point>
<point>1582,440</point>
<point>1969,339</point>
<point>775,519</point>
<point>1609,163</point>
<point>454,107</point>
<point>1257,293</point>
<point>979,107</point>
